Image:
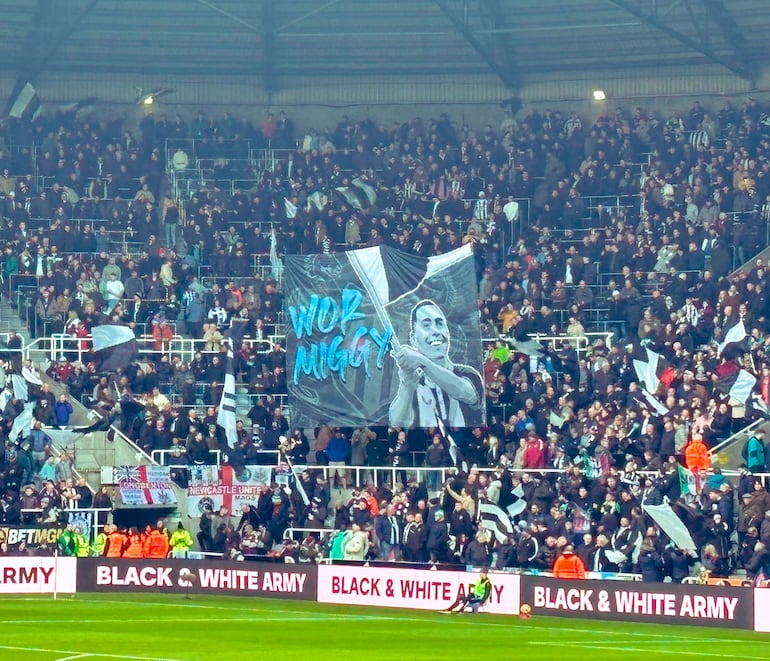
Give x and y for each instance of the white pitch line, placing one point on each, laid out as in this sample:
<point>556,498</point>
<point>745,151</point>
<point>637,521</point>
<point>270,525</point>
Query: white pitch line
<point>77,655</point>
<point>589,646</point>
<point>318,618</point>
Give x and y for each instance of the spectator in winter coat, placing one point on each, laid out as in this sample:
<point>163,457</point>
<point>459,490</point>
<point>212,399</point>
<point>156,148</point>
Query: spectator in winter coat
<point>650,563</point>
<point>62,411</point>
<point>534,452</point>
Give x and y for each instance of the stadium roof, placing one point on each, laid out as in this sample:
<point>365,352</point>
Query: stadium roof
<point>278,42</point>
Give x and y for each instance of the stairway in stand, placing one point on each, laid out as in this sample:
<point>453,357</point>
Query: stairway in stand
<point>10,321</point>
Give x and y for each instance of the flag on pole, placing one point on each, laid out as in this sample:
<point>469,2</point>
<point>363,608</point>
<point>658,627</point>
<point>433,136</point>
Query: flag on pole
<point>276,265</point>
<point>738,385</point>
<point>733,340</point>
<point>26,105</point>
<point>290,208</point>
<point>653,402</point>
<point>226,413</point>
<point>297,481</point>
<point>581,519</point>
<point>652,369</point>
<point>519,504</point>
<point>114,345</point>
<point>494,519</point>
<point>688,482</point>
<point>22,423</point>
<point>667,520</point>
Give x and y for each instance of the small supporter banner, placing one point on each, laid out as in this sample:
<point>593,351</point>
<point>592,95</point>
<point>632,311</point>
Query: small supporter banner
<point>144,485</point>
<point>214,487</point>
<point>419,589</point>
<point>649,602</point>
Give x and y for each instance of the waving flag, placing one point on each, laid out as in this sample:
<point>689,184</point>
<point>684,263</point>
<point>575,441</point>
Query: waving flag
<point>114,345</point>
<point>359,195</point>
<point>652,370</point>
<point>668,521</point>
<point>738,385</point>
<point>226,413</point>
<point>733,341</point>
<point>518,504</point>
<point>494,519</point>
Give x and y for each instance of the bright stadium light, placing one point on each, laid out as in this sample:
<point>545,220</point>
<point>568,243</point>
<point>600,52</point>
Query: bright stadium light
<point>599,95</point>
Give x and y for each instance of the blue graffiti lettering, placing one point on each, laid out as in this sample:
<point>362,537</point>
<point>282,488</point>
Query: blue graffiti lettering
<point>324,313</point>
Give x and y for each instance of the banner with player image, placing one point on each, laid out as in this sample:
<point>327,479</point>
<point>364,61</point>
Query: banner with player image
<point>381,337</point>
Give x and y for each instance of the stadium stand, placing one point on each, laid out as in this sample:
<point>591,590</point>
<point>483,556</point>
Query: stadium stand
<point>610,245</point>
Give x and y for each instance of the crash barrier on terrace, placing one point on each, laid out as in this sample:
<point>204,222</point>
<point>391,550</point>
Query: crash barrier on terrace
<point>422,588</point>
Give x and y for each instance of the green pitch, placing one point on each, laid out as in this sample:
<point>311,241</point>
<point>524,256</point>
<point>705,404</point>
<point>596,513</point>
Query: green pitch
<point>171,628</point>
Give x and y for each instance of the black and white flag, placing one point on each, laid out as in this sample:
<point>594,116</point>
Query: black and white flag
<point>226,413</point>
<point>733,341</point>
<point>738,385</point>
<point>494,519</point>
<point>519,504</point>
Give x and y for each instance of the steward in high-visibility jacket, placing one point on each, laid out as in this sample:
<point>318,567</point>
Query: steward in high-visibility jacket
<point>133,549</point>
<point>156,544</point>
<point>99,545</point>
<point>83,547</point>
<point>569,565</point>
<point>67,542</point>
<point>181,541</point>
<point>116,540</point>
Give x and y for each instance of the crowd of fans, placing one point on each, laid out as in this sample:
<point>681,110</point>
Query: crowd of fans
<point>629,225</point>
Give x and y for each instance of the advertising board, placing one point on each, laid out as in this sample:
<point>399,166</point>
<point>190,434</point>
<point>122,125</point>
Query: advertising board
<point>198,577</point>
<point>37,575</point>
<point>665,603</point>
<point>411,588</point>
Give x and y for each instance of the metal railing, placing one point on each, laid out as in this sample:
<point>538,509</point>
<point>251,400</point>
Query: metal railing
<point>161,457</point>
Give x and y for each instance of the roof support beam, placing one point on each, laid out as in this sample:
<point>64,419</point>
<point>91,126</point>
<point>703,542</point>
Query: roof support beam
<point>268,38</point>
<point>44,39</point>
<point>500,43</point>
<point>653,20</point>
<point>505,73</point>
<point>723,19</point>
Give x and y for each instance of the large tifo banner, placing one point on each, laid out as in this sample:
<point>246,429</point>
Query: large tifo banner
<point>196,576</point>
<point>378,336</point>
<point>665,603</point>
<point>420,589</point>
<point>213,487</point>
<point>37,575</point>
<point>144,485</point>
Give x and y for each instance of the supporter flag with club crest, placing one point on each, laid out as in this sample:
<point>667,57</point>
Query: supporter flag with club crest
<point>350,317</point>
